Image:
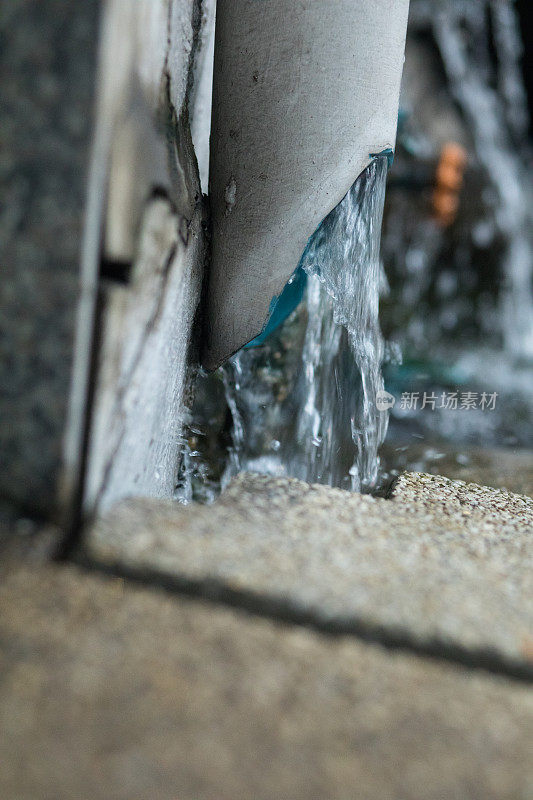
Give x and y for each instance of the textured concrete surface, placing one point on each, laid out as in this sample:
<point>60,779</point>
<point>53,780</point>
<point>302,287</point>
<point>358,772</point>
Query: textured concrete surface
<point>144,334</point>
<point>442,565</point>
<point>140,302</point>
<point>498,506</point>
<point>115,692</point>
<point>48,88</point>
<point>47,55</point>
<point>501,468</point>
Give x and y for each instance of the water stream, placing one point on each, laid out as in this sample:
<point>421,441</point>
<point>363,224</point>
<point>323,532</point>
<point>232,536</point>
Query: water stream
<point>304,403</point>
<point>461,301</point>
<point>343,347</point>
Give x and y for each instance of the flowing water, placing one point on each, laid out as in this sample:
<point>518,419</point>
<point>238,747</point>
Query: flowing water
<point>313,414</point>
<point>342,260</point>
<point>461,303</point>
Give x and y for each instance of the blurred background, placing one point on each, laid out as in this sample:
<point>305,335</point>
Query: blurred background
<point>458,238</point>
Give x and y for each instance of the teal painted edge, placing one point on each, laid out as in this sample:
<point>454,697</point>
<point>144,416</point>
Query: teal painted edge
<point>281,307</point>
<point>389,152</point>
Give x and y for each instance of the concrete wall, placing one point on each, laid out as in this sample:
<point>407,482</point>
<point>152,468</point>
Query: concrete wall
<point>136,224</point>
<point>47,64</point>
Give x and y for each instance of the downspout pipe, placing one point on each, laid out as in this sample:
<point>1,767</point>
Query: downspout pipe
<point>305,92</point>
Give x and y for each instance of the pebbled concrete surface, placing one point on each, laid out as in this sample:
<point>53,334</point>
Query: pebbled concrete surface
<point>110,691</point>
<point>501,468</point>
<point>442,566</point>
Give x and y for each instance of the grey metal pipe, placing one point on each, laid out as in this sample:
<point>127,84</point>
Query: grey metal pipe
<point>304,93</point>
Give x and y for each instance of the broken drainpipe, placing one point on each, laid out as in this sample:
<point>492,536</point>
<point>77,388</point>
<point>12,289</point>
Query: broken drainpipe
<point>304,95</point>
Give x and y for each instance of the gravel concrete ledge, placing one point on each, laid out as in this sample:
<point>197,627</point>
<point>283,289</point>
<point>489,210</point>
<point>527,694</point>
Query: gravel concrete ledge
<point>444,567</point>
<point>115,692</point>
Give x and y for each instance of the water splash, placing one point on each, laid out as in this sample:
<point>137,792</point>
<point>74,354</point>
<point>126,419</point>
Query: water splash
<point>324,425</point>
<point>343,259</point>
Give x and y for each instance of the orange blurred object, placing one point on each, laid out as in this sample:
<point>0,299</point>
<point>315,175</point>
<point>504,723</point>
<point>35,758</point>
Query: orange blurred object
<point>448,182</point>
<point>445,206</point>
